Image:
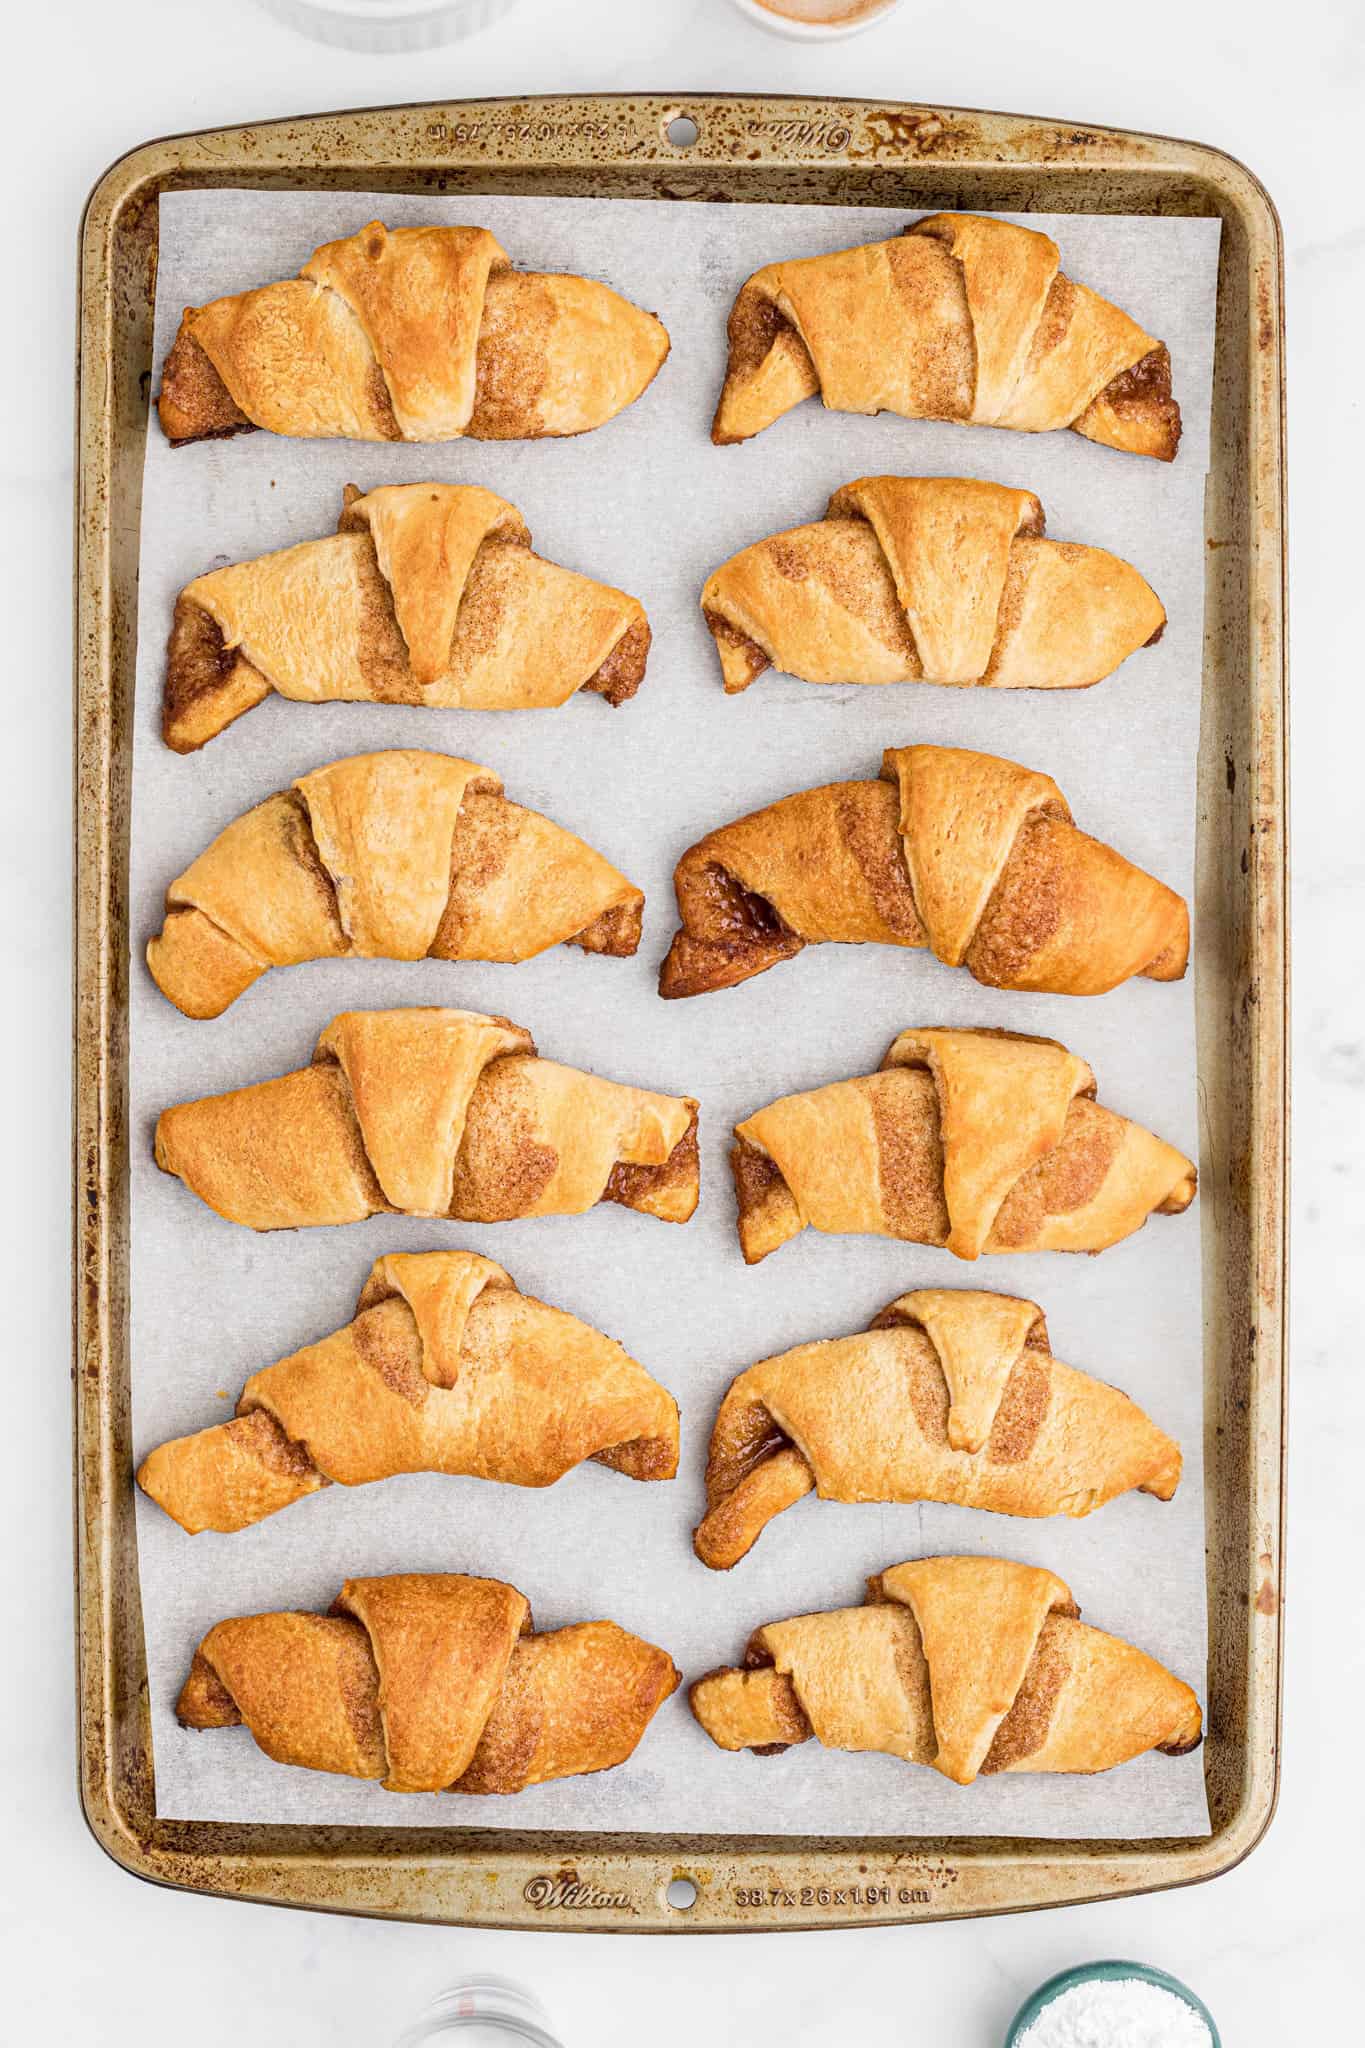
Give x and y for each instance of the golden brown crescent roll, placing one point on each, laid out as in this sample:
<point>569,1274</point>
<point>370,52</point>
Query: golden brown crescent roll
<point>444,1368</point>
<point>431,1113</point>
<point>430,1682</point>
<point>396,856</point>
<point>977,1140</point>
<point>410,334</point>
<point>960,317</point>
<point>968,1664</point>
<point>949,1396</point>
<point>970,855</point>
<point>426,594</point>
<point>927,579</point>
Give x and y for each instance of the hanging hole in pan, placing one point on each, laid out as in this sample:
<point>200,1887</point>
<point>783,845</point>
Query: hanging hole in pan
<point>681,1895</point>
<point>682,131</point>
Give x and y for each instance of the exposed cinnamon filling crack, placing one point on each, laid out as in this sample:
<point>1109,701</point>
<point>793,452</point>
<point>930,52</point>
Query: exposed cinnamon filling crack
<point>194,402</point>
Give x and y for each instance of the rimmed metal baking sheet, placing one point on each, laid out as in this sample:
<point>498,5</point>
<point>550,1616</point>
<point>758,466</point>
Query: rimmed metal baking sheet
<point>792,151</point>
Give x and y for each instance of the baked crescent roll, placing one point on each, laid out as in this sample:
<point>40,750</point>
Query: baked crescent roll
<point>977,1140</point>
<point>948,1396</point>
<point>928,579</point>
<point>430,1682</point>
<point>410,334</point>
<point>444,1368</point>
<point>968,1664</point>
<point>960,317</point>
<point>967,854</point>
<point>431,1113</point>
<point>396,856</point>
<point>426,594</point>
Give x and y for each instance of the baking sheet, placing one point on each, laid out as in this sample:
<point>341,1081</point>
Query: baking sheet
<point>649,504</point>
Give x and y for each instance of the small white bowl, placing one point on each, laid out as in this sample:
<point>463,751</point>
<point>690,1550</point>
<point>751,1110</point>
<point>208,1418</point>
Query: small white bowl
<point>377,26</point>
<point>814,31</point>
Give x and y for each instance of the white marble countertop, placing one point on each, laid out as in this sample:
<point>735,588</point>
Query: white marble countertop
<point>88,1954</point>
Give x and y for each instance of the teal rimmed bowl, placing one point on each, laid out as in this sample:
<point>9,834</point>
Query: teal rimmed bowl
<point>1090,1973</point>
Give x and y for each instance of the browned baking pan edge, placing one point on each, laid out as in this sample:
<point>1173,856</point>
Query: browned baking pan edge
<point>799,151</point>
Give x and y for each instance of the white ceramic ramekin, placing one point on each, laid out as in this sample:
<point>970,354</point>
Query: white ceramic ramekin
<point>814,31</point>
<point>379,25</point>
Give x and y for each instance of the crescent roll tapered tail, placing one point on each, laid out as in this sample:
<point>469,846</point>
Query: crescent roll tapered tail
<point>975,1140</point>
<point>430,1682</point>
<point>395,856</point>
<point>970,1665</point>
<point>970,855</point>
<point>410,334</point>
<point>431,1113</point>
<point>949,1396</point>
<point>959,317</point>
<point>427,594</point>
<point>444,1368</point>
<point>923,579</point>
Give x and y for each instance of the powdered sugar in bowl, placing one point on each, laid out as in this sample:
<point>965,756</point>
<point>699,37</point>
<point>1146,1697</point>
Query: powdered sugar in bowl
<point>1113,2005</point>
